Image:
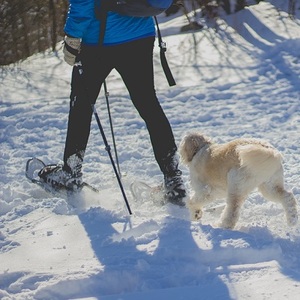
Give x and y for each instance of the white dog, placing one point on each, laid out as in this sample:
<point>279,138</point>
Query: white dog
<point>233,170</point>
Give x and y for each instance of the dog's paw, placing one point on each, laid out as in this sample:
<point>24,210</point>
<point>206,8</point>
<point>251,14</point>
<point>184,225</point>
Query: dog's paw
<point>197,215</point>
<point>226,224</point>
<point>195,209</point>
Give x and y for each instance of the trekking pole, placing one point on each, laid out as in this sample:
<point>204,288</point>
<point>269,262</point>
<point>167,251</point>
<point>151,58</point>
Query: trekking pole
<point>107,148</point>
<point>102,16</point>
<point>111,127</point>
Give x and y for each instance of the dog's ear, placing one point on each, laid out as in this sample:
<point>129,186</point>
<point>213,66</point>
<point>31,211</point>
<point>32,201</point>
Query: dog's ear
<point>190,145</point>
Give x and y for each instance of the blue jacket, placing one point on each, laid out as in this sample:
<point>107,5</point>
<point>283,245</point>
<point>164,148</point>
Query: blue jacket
<point>82,23</point>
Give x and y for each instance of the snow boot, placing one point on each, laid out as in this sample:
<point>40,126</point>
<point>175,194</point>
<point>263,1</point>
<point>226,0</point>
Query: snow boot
<point>174,187</point>
<point>175,191</point>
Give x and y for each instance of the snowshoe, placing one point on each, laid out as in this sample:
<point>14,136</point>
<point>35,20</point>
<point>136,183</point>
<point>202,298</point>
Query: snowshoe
<point>143,192</point>
<point>58,183</point>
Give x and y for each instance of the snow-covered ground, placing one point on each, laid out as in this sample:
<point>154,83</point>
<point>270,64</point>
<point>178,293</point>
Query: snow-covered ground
<point>240,81</point>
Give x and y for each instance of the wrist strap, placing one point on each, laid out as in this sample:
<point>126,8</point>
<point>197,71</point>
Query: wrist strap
<point>71,50</point>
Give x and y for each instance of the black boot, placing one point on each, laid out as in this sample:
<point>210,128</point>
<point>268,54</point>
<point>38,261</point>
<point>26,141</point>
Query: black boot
<point>174,188</point>
<point>175,191</point>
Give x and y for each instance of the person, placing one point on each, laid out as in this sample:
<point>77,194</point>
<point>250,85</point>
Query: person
<point>127,46</point>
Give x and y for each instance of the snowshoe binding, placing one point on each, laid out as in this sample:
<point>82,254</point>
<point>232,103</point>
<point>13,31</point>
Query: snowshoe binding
<point>58,178</point>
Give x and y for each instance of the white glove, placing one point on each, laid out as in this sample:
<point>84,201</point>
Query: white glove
<point>71,49</point>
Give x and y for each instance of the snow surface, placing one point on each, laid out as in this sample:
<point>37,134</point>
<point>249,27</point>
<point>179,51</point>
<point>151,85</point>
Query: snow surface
<point>241,81</point>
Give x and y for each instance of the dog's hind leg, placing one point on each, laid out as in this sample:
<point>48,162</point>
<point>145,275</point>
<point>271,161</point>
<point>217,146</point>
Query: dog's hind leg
<point>239,186</point>
<point>274,190</point>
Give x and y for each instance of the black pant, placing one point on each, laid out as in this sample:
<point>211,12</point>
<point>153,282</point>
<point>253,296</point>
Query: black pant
<point>134,62</point>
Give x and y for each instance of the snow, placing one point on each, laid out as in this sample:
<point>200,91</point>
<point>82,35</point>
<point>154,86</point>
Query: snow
<point>241,81</point>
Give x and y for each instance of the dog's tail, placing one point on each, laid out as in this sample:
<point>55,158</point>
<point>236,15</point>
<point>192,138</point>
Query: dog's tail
<point>260,159</point>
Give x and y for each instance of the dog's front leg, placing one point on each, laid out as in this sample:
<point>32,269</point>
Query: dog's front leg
<point>195,208</point>
<point>231,212</point>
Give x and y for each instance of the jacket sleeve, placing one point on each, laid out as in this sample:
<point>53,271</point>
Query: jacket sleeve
<point>80,15</point>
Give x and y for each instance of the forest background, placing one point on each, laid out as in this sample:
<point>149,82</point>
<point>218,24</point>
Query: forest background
<point>33,26</point>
